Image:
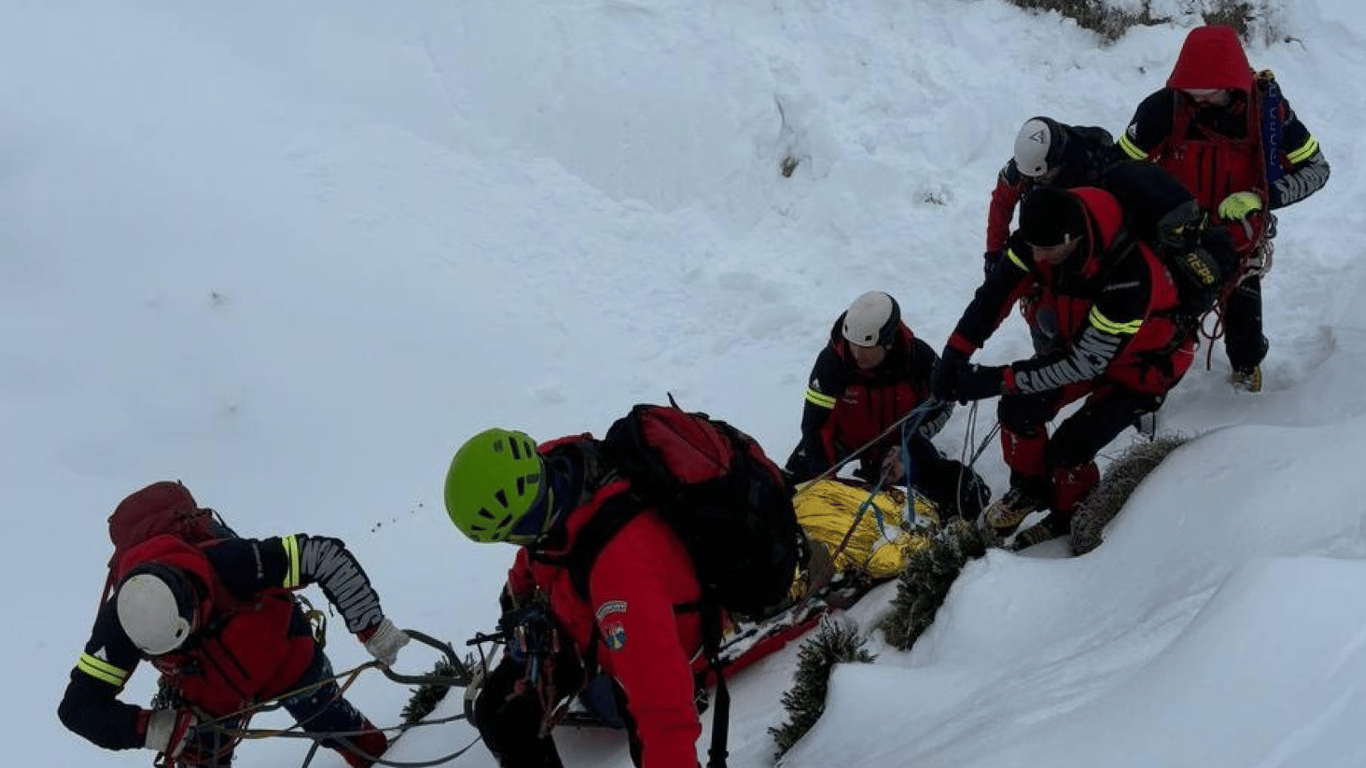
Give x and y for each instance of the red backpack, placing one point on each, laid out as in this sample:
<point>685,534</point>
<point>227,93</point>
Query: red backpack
<point>726,501</point>
<point>164,507</point>
<point>723,497</point>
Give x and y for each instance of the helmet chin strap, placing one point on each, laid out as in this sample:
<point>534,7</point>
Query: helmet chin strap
<point>553,514</point>
<point>180,628</point>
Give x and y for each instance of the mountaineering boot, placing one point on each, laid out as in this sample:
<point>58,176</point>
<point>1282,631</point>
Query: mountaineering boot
<point>364,747</point>
<point>1248,380</point>
<point>1007,512</point>
<point>1054,526</point>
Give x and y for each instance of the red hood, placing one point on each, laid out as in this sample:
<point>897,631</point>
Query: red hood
<point>1212,57</point>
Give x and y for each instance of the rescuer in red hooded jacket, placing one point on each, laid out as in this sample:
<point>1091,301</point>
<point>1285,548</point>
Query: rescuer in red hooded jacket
<point>1229,135</point>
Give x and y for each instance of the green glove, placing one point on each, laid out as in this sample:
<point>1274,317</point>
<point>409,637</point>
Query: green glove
<point>1238,205</point>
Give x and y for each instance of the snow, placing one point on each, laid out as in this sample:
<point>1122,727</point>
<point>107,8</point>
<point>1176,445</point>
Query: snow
<point>294,254</point>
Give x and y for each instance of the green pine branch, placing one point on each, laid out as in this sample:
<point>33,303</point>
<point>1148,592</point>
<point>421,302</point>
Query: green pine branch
<point>834,643</point>
<point>1121,479</point>
<point>427,696</point>
<point>925,581</point>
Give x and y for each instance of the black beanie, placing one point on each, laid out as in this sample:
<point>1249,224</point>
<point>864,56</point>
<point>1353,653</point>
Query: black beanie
<point>1050,216</point>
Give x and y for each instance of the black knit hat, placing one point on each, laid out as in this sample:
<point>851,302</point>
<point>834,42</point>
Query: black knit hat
<point>1050,216</point>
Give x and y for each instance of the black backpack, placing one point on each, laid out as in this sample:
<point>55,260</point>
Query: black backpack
<point>718,490</point>
<point>1161,212</point>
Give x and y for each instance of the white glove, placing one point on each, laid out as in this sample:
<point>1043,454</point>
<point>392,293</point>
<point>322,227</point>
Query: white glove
<point>168,730</point>
<point>385,641</point>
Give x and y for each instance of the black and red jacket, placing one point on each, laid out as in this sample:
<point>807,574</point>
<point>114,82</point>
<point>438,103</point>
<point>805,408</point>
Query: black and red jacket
<point>1113,311</point>
<point>254,645</point>
<point>1216,151</point>
<point>847,407</point>
<point>1089,154</point>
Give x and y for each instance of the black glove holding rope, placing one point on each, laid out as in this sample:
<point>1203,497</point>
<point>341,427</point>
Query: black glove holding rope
<point>954,378</point>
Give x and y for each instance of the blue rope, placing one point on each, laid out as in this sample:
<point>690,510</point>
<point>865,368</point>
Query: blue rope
<point>909,424</point>
<point>908,428</point>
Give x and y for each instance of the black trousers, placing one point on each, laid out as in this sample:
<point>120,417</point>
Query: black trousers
<point>1244,341</point>
<point>955,489</point>
<point>508,712</point>
<point>1107,412</point>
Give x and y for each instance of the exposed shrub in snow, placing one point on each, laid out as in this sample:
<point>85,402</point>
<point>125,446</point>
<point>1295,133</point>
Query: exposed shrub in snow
<point>834,643</point>
<point>926,579</point>
<point>1121,478</point>
<point>1112,20</point>
<point>426,696</point>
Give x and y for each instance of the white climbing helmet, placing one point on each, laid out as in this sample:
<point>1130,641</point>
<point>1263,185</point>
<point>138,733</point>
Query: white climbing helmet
<point>156,609</point>
<point>872,320</point>
<point>1039,146</point>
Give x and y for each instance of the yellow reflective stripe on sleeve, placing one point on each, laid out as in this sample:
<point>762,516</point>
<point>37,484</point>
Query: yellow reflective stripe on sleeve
<point>1130,148</point>
<point>1305,152</point>
<point>819,399</point>
<point>1102,323</point>
<point>291,543</point>
<point>1015,259</point>
<point>102,670</point>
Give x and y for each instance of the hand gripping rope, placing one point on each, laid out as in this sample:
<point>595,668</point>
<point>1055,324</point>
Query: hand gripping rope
<point>232,735</point>
<point>1256,264</point>
<point>917,413</point>
<point>908,425</point>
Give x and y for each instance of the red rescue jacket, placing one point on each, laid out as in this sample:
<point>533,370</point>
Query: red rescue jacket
<point>1214,164</point>
<point>1153,360</point>
<point>873,400</point>
<point>244,652</point>
<point>631,623</point>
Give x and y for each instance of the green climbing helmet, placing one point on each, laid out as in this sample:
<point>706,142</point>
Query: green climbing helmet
<point>495,480</point>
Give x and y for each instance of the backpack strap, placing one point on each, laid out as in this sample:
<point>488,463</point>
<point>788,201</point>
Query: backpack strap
<point>1267,99</point>
<point>1115,254</point>
<point>613,515</point>
<point>720,721</point>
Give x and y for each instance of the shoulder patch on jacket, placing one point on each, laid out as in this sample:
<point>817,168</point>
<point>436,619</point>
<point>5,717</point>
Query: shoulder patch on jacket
<point>614,635</point>
<point>610,607</point>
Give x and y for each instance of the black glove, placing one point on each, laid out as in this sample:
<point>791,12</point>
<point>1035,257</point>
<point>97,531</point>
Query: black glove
<point>944,377</point>
<point>528,630</point>
<point>1182,228</point>
<point>1198,279</point>
<point>978,382</point>
<point>935,419</point>
<point>990,259</point>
